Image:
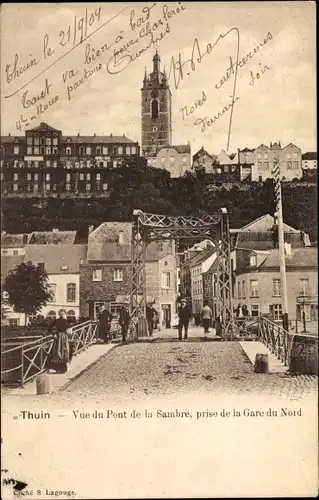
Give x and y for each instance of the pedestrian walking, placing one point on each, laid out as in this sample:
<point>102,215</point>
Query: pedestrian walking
<point>60,354</point>
<point>184,315</point>
<point>245,310</point>
<point>150,315</point>
<point>105,319</point>
<point>207,315</point>
<point>124,321</point>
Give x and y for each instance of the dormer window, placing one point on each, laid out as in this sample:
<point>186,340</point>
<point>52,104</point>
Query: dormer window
<point>253,260</point>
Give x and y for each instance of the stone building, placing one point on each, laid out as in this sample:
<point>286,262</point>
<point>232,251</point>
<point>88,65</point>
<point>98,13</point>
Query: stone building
<point>44,162</point>
<point>105,277</point>
<point>156,124</point>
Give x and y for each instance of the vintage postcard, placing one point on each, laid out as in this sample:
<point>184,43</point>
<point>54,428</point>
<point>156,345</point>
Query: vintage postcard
<point>159,303</point>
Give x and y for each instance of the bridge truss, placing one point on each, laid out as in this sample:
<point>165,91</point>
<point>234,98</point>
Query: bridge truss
<point>151,227</point>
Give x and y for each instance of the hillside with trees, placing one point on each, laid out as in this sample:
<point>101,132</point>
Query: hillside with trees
<point>136,185</point>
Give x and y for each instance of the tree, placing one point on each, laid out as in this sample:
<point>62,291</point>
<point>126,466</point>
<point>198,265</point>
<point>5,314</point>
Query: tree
<point>27,288</point>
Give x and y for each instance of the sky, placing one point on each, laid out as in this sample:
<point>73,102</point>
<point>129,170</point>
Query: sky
<point>47,74</point>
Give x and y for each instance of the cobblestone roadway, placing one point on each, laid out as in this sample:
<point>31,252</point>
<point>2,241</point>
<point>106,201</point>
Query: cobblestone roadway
<point>146,370</point>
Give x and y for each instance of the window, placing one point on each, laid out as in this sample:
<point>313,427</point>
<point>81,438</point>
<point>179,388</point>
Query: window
<point>88,177</point>
<point>118,275</point>
<point>68,177</point>
<point>296,165</point>
<point>253,260</point>
<point>97,275</point>
<point>70,315</point>
<point>154,109</point>
<point>68,150</point>
<point>255,309</point>
<point>53,290</point>
<point>14,321</point>
<point>47,187</point>
<point>88,150</point>
<point>68,187</point>
<point>55,150</point>
<point>98,177</point>
<point>16,150</point>
<point>15,187</point>
<point>254,292</point>
<point>81,177</point>
<point>55,141</point>
<point>304,287</point>
<point>184,159</point>
<point>55,164</point>
<point>128,150</point>
<point>51,315</point>
<point>36,140</point>
<point>28,177</point>
<point>36,150</point>
<point>98,150</point>
<point>166,280</point>
<point>47,150</point>
<point>29,139</point>
<point>239,290</point>
<point>133,150</point>
<point>276,287</point>
<point>88,187</point>
<point>35,188</point>
<point>36,177</point>
<point>42,140</point>
<point>47,177</point>
<point>114,150</point>
<point>48,163</point>
<point>48,141</point>
<point>36,163</point>
<point>88,163</point>
<point>29,150</point>
<point>105,187</point>
<point>15,177</point>
<point>243,289</point>
<point>266,165</point>
<point>120,150</point>
<point>289,165</point>
<point>81,150</point>
<point>70,292</point>
<point>15,252</point>
<point>105,150</point>
<point>276,311</point>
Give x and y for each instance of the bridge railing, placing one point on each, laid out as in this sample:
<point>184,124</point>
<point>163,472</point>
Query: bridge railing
<point>275,338</point>
<point>21,363</point>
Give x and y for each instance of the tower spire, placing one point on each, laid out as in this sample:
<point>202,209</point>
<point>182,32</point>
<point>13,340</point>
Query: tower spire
<point>156,62</point>
<point>145,75</point>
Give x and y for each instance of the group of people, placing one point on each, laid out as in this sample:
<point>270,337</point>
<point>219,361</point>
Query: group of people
<point>105,320</point>
<point>185,315</point>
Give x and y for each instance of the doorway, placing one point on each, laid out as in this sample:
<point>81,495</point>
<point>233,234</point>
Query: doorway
<point>166,315</point>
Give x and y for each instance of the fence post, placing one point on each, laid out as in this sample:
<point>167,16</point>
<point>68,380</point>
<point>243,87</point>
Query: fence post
<point>22,368</point>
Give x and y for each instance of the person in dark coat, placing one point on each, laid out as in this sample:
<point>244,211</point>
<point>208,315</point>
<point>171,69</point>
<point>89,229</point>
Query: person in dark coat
<point>245,310</point>
<point>60,351</point>
<point>150,315</point>
<point>105,319</point>
<point>124,321</point>
<point>184,315</point>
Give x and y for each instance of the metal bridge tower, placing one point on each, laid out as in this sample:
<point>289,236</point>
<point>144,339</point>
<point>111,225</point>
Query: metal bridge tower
<point>151,227</point>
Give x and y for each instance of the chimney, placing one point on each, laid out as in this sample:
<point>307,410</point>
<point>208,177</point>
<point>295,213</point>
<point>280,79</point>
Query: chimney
<point>9,134</point>
<point>78,134</point>
<point>288,250</point>
<point>94,134</point>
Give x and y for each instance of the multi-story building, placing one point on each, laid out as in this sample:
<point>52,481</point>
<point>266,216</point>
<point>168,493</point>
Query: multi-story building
<point>258,283</point>
<point>60,256</point>
<point>156,124</point>
<point>46,163</point>
<point>105,277</point>
<point>309,167</point>
<point>198,265</point>
<point>252,164</point>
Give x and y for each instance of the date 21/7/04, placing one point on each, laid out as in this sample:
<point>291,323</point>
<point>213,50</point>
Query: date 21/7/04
<point>78,30</point>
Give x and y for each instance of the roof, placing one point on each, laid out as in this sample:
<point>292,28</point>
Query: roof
<point>57,256</point>
<point>247,150</point>
<point>264,240</point>
<point>265,223</point>
<point>12,138</point>
<point>201,256</point>
<point>8,263</point>
<point>213,267</point>
<point>97,139</point>
<point>111,241</point>
<point>202,152</point>
<point>14,240</point>
<point>52,237</point>
<point>44,126</point>
<point>305,257</point>
<point>309,156</point>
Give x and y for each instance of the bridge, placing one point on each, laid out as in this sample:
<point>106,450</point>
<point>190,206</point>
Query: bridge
<point>23,358</point>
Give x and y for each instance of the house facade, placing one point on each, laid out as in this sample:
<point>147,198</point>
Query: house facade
<point>105,277</point>
<point>175,159</point>
<point>60,256</point>
<point>44,162</point>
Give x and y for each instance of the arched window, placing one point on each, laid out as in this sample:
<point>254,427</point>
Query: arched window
<point>51,315</point>
<point>42,150</point>
<point>62,311</point>
<point>70,315</point>
<point>115,151</point>
<point>81,150</point>
<point>68,150</point>
<point>71,292</point>
<point>154,107</point>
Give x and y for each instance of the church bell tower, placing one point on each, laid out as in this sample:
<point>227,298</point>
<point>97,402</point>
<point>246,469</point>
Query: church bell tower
<point>156,108</point>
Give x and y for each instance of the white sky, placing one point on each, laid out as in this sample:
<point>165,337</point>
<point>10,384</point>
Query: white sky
<point>280,106</point>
